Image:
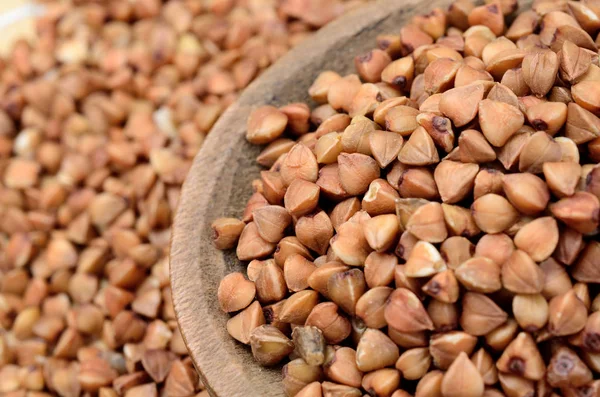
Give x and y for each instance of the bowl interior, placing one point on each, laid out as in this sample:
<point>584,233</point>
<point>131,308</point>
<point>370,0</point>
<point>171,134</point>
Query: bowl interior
<point>219,184</point>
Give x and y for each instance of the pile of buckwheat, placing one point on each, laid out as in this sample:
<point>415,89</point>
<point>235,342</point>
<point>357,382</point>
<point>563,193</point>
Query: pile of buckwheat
<point>431,227</point>
<point>100,118</point>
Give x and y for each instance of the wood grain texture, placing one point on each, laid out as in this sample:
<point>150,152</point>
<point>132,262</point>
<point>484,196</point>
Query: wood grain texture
<point>219,185</point>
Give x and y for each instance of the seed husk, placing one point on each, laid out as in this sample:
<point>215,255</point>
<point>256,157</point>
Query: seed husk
<point>439,75</point>
<point>566,369</point>
<point>269,345</point>
<point>582,125</point>
<point>556,279</point>
<point>427,223</point>
<point>562,177</point>
<point>399,73</point>
<point>484,363</point>
<point>493,213</point>
<point>241,326</point>
<point>497,247</point>
<point>456,250</point>
<point>489,15</point>
<point>333,389</point>
<point>375,351</point>
<point>417,182</point>
<point>474,148</point>
<point>379,269</point>
<point>341,366</point>
<point>530,311</point>
<point>405,245</point>
<point>414,363</point>
<point>480,314</point>
<point>314,231</point>
<point>539,71</point>
<point>271,222</point>
<point>462,378</point>
<point>439,128</point>
<point>405,313</point>
<point>226,232</point>
<point>270,284</point>
<point>301,197</point>
<point>521,275</point>
<point>446,348</point>
<point>265,124</point>
<point>567,314</point>
<point>455,180</point>
<point>297,374</point>
<point>585,269</point>
<point>381,231</point>
<point>251,245</point>
<point>579,211</point>
<point>538,238</point>
<point>325,316</point>
<point>288,246</point>
<point>479,274</point>
<point>522,358</point>
<point>309,344</point>
<point>385,146</point>
<point>356,172</point>
<point>430,385</point>
<point>370,307</point>
<point>499,121</point>
<point>350,244</point>
<point>424,261</point>
<point>298,306</point>
<point>346,288</point>
<point>320,87</point>
<point>443,287</point>
<point>341,92</point>
<point>419,149</point>
<point>235,292</point>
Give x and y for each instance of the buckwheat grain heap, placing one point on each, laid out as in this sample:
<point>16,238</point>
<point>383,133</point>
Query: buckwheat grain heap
<point>100,118</point>
<point>431,227</point>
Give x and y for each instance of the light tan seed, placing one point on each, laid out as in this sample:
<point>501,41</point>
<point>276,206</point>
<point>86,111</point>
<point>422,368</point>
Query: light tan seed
<point>493,213</point>
<point>265,124</point>
<point>499,121</point>
<point>462,378</point>
<point>405,313</point>
<point>235,292</point>
<point>521,275</point>
<point>480,314</point>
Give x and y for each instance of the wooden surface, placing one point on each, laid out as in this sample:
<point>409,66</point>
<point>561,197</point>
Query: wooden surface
<point>219,185</point>
<point>16,21</point>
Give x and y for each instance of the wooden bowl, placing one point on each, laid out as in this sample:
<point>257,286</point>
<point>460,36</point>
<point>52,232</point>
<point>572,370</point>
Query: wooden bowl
<point>218,185</point>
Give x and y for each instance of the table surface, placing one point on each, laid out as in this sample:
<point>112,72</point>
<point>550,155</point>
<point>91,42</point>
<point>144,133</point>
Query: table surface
<point>16,21</point>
